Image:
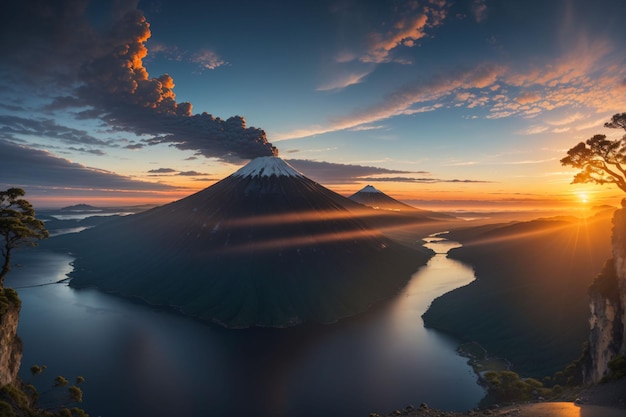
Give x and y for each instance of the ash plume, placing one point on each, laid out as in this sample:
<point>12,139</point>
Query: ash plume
<point>106,79</point>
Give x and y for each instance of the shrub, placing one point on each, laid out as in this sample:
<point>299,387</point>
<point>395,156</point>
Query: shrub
<point>617,368</point>
<point>6,410</point>
<point>507,386</point>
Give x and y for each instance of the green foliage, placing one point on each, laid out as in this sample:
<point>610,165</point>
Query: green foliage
<point>37,369</point>
<point>26,401</point>
<point>31,392</point>
<point>600,160</point>
<point>60,381</point>
<point>76,394</point>
<point>507,387</point>
<point>13,395</point>
<point>6,410</point>
<point>8,297</point>
<point>17,400</point>
<point>572,374</point>
<point>617,368</point>
<point>71,412</point>
<point>18,226</point>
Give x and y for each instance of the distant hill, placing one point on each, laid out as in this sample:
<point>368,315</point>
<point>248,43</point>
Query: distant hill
<point>81,208</point>
<point>86,208</point>
<point>372,197</point>
<point>529,302</point>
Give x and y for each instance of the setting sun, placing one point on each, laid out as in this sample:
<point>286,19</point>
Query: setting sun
<point>583,197</point>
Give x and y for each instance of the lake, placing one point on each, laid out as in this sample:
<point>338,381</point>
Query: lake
<point>142,361</point>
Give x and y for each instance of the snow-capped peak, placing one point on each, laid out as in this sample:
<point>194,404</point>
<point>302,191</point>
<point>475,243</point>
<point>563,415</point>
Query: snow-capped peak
<point>369,189</point>
<point>266,166</point>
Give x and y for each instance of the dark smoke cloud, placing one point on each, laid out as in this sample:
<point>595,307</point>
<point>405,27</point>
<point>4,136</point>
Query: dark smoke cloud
<point>44,42</point>
<point>53,43</point>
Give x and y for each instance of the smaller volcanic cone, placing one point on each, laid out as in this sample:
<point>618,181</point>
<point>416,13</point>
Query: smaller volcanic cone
<point>371,197</point>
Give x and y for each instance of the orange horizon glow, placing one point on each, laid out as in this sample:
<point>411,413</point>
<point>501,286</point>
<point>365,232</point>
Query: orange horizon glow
<point>462,201</point>
<point>435,197</point>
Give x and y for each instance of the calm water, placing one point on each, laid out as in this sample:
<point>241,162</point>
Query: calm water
<point>139,361</point>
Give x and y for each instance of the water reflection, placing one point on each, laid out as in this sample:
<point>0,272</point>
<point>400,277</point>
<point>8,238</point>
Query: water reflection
<point>155,363</point>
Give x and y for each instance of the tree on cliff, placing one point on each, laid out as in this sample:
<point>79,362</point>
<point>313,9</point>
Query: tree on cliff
<point>18,226</point>
<point>600,160</point>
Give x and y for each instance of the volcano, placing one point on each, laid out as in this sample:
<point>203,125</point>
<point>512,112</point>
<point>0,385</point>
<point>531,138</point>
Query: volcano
<point>372,197</point>
<point>265,246</point>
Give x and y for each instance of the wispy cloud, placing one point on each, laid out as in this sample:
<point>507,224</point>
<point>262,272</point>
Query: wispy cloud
<point>207,59</point>
<point>402,100</point>
<point>566,120</point>
<point>533,161</point>
<point>333,173</point>
<point>191,174</point>
<point>421,180</point>
<point>15,128</point>
<point>344,80</point>
<point>174,172</point>
<point>591,124</point>
<point>27,168</point>
<point>409,26</point>
<point>405,32</point>
<point>533,130</point>
<point>367,127</point>
<point>461,164</point>
<point>561,83</point>
<point>162,171</point>
<point>479,10</point>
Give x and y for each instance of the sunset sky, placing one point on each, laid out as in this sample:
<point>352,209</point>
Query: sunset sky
<point>439,103</point>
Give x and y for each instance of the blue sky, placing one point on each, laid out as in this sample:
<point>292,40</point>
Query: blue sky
<point>436,102</point>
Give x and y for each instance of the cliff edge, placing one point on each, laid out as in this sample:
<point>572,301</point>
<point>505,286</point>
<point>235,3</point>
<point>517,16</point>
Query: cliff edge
<point>10,343</point>
<point>607,296</point>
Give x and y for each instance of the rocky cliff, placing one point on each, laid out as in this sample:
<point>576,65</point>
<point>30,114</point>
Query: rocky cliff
<point>608,306</point>
<point>10,344</point>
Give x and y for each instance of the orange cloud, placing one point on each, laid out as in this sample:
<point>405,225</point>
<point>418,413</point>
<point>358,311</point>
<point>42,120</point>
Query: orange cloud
<point>528,97</point>
<point>589,75</point>
<point>401,101</point>
<point>344,80</point>
<point>405,32</point>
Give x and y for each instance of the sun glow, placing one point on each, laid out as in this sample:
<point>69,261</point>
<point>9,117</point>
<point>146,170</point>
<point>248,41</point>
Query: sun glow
<point>583,197</point>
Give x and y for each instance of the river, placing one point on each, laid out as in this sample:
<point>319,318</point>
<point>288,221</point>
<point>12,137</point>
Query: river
<point>142,361</point>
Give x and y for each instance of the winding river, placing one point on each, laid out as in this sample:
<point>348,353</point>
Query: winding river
<point>141,361</point>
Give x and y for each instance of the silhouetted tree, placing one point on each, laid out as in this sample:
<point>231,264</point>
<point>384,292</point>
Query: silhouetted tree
<point>18,226</point>
<point>601,161</point>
